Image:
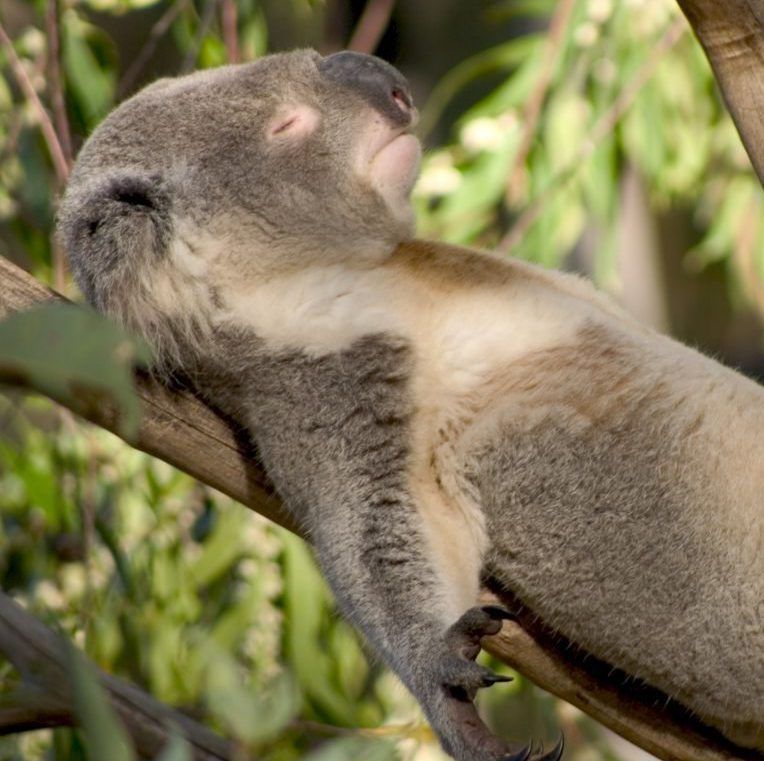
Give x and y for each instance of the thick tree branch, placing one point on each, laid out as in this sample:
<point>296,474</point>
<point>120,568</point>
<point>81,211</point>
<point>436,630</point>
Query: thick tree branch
<point>45,698</point>
<point>732,34</point>
<point>181,430</point>
<point>176,426</point>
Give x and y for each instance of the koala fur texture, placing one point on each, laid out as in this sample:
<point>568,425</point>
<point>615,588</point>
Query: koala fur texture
<point>431,415</point>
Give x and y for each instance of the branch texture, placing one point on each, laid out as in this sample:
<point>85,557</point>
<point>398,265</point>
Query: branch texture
<point>732,34</point>
<point>178,428</point>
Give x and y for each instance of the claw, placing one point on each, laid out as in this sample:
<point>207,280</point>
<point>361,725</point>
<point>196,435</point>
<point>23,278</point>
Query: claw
<point>522,755</point>
<point>490,679</point>
<point>555,754</point>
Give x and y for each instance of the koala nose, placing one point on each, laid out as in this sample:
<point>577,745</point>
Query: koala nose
<point>381,85</point>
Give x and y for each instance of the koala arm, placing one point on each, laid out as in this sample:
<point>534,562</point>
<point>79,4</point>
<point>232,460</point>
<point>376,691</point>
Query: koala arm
<point>333,434</point>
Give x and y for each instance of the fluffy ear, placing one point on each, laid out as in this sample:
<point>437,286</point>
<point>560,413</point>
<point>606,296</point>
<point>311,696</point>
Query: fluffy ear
<point>115,229</point>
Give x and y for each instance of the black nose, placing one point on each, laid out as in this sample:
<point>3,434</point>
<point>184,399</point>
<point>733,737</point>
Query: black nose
<point>379,83</point>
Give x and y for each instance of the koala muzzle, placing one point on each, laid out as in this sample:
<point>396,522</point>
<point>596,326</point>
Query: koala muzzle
<point>381,85</point>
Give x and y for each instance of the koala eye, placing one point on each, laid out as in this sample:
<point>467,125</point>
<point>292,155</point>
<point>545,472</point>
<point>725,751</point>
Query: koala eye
<point>284,126</point>
<point>293,123</point>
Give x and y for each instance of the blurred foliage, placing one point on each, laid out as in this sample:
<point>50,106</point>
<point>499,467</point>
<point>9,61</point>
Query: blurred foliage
<point>672,127</point>
<point>43,348</point>
<point>199,601</point>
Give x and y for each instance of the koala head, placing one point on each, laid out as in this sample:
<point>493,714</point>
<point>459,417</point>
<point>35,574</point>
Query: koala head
<point>227,177</point>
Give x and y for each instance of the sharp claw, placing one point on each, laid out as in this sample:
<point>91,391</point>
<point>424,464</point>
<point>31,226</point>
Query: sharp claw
<point>522,755</point>
<point>490,679</point>
<point>555,754</point>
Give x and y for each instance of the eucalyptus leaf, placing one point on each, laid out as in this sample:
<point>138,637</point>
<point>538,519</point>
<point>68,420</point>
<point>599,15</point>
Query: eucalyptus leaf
<point>252,717</point>
<point>92,83</point>
<point>354,748</point>
<point>177,749</point>
<point>105,737</point>
<point>74,356</point>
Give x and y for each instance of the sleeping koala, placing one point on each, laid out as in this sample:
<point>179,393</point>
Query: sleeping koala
<point>431,415</point>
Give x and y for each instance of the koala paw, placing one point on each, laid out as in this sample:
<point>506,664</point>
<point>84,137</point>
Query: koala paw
<point>459,674</point>
<point>528,753</point>
<point>458,678</point>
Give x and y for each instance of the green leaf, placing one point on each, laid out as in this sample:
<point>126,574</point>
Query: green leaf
<point>74,356</point>
<point>220,551</point>
<point>353,748</point>
<point>91,82</point>
<point>254,718</point>
<point>307,600</point>
<point>105,737</point>
<point>177,749</point>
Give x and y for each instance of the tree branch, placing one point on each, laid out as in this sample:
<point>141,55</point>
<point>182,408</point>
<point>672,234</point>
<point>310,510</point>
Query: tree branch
<point>371,26</point>
<point>732,34</point>
<point>533,106</point>
<point>45,698</point>
<point>181,430</point>
<point>46,125</point>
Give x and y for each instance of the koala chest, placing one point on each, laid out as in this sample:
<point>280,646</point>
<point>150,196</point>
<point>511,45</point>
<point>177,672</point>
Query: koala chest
<point>459,345</point>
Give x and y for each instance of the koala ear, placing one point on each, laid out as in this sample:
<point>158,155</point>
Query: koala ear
<point>115,229</point>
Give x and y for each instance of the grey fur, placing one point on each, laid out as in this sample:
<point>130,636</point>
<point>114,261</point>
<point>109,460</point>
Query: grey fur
<point>591,477</point>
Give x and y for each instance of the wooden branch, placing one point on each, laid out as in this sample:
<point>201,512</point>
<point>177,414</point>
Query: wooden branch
<point>371,26</point>
<point>176,426</point>
<point>45,698</point>
<point>732,34</point>
<point>639,713</point>
<point>181,430</point>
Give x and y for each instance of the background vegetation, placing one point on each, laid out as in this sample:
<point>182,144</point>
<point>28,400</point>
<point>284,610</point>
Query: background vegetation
<point>578,133</point>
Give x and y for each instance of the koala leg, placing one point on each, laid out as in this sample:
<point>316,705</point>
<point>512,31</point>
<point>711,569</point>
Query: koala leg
<point>385,585</point>
<point>334,433</point>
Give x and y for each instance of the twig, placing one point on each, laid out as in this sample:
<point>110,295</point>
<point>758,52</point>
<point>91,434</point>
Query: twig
<point>532,111</point>
<point>55,80</point>
<point>25,709</point>
<point>371,26</point>
<point>10,143</point>
<point>604,126</point>
<point>208,16</point>
<point>41,656</point>
<point>57,154</point>
<point>155,35</point>
<point>228,20</point>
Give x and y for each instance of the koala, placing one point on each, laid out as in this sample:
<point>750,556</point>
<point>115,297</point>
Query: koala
<point>434,417</point>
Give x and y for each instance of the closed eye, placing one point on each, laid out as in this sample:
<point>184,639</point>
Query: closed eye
<point>284,126</point>
<point>295,122</point>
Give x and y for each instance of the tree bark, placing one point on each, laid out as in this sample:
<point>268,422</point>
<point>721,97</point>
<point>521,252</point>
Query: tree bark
<point>180,429</point>
<point>732,34</point>
<point>44,698</point>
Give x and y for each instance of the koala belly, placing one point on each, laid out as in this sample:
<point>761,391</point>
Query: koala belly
<point>616,512</point>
